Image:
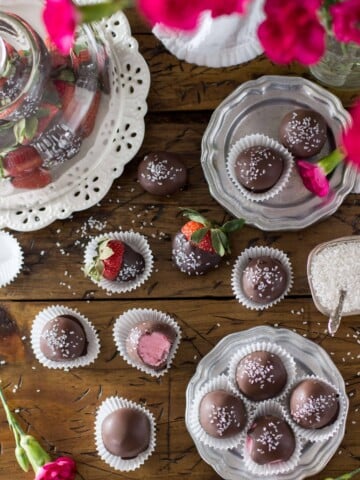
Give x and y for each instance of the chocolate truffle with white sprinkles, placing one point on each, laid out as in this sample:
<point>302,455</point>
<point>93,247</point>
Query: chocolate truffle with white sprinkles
<point>221,414</point>
<point>264,280</point>
<point>303,132</point>
<point>162,173</point>
<point>258,168</point>
<point>261,375</point>
<point>63,338</point>
<point>269,440</point>
<point>314,404</point>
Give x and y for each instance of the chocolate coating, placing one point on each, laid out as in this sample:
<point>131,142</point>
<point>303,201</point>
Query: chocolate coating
<point>258,168</point>
<point>162,173</point>
<point>221,414</point>
<point>126,432</point>
<point>150,343</point>
<point>314,404</point>
<point>190,259</point>
<point>63,338</point>
<point>303,132</point>
<point>270,440</point>
<point>133,264</point>
<point>264,280</point>
<point>261,375</point>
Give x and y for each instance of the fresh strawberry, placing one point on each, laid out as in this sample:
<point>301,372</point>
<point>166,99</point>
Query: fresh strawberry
<point>80,57</point>
<point>66,92</point>
<point>108,262</point>
<point>200,245</point>
<point>32,179</point>
<point>88,122</point>
<point>20,161</point>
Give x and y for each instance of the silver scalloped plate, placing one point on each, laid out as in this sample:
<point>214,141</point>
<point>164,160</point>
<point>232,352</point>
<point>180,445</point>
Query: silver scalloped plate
<point>310,359</point>
<point>258,106</point>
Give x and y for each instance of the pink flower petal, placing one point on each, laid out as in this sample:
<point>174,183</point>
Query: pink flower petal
<point>351,138</point>
<point>313,178</point>
<point>346,20</point>
<point>61,18</point>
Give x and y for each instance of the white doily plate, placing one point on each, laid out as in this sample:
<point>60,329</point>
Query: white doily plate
<point>118,135</point>
<point>217,42</point>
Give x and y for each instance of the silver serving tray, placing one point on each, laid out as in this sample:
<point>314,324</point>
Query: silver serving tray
<point>258,106</point>
<point>309,358</point>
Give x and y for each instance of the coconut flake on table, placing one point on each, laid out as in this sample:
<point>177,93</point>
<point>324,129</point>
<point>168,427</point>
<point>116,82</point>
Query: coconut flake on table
<point>337,268</point>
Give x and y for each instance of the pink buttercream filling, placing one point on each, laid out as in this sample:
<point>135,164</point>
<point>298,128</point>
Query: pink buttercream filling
<point>154,348</point>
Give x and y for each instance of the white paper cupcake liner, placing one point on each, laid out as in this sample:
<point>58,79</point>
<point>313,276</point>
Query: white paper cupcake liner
<point>321,434</point>
<point>11,258</point>
<point>217,383</point>
<point>271,407</point>
<point>285,357</point>
<point>258,139</point>
<point>93,347</point>
<point>108,406</point>
<point>129,320</point>
<point>242,262</point>
<point>136,241</point>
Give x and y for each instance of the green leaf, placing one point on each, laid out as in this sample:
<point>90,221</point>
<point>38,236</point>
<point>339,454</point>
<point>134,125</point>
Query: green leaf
<point>94,12</point>
<point>224,240</point>
<point>31,126</point>
<point>19,130</point>
<point>197,236</point>
<point>195,216</point>
<point>104,251</point>
<point>66,75</point>
<point>233,225</point>
<point>217,243</point>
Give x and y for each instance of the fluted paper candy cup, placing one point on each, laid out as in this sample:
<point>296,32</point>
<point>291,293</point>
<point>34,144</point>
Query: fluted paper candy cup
<point>11,258</point>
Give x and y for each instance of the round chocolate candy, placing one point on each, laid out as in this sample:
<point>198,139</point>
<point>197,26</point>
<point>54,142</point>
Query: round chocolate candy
<point>261,375</point>
<point>264,279</point>
<point>258,168</point>
<point>314,404</point>
<point>162,173</point>
<point>150,343</point>
<point>303,132</point>
<point>126,432</point>
<point>63,338</point>
<point>269,440</point>
<point>221,414</point>
<point>133,264</point>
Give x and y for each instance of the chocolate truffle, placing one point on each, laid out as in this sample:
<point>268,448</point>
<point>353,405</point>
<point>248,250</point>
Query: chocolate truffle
<point>221,414</point>
<point>133,264</point>
<point>190,259</point>
<point>261,375</point>
<point>258,168</point>
<point>161,173</point>
<point>264,280</point>
<point>314,404</point>
<point>303,132</point>
<point>270,440</point>
<point>126,432</point>
<point>63,338</point>
<point>150,343</point>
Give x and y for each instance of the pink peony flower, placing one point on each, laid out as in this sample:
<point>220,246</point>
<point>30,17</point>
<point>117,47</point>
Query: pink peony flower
<point>184,14</point>
<point>351,138</point>
<point>292,31</point>
<point>63,468</point>
<point>61,18</point>
<point>314,178</point>
<point>346,20</point>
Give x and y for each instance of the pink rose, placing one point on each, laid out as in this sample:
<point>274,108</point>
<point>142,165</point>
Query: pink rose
<point>292,31</point>
<point>351,138</point>
<point>313,178</point>
<point>63,468</point>
<point>61,18</point>
<point>346,20</point>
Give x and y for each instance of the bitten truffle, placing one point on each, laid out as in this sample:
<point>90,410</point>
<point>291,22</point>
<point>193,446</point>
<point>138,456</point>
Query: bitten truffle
<point>270,440</point>
<point>150,343</point>
<point>314,404</point>
<point>303,132</point>
<point>221,414</point>
<point>162,173</point>
<point>126,432</point>
<point>264,280</point>
<point>63,338</point>
<point>258,168</point>
<point>261,375</point>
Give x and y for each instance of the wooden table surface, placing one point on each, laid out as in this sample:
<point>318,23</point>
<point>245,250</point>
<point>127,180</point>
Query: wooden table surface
<point>59,407</point>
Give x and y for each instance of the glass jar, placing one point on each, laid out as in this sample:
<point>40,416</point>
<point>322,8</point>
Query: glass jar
<point>340,65</point>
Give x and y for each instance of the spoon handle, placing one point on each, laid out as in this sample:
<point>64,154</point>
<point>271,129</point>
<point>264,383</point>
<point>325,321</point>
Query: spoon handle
<point>335,318</point>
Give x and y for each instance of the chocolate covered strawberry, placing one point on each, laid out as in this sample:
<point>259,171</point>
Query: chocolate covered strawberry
<point>200,245</point>
<point>20,161</point>
<point>115,261</point>
<point>32,179</point>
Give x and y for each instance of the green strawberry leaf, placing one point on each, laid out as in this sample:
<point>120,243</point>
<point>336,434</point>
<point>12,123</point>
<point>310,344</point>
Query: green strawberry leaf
<point>224,240</point>
<point>104,251</point>
<point>233,225</point>
<point>66,75</point>
<point>195,216</point>
<point>197,236</point>
<point>31,126</point>
<point>19,130</point>
<point>216,242</point>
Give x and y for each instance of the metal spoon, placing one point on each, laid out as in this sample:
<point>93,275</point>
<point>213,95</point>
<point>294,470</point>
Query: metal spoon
<point>335,318</point>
